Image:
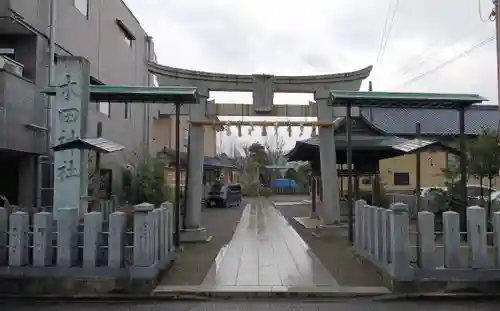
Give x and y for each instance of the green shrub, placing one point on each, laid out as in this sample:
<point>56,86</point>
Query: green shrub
<point>265,192</point>
<point>382,200</point>
<point>146,183</point>
<point>250,190</point>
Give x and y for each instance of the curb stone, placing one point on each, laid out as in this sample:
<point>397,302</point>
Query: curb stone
<point>227,295</point>
<point>438,296</point>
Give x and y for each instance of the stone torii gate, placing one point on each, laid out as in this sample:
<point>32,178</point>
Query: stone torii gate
<point>263,88</point>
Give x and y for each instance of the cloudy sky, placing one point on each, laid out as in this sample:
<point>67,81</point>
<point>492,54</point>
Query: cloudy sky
<point>422,50</point>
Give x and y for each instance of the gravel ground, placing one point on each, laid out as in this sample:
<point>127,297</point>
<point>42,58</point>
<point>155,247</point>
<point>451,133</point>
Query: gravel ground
<point>195,260</point>
<point>334,252</point>
<point>275,305</point>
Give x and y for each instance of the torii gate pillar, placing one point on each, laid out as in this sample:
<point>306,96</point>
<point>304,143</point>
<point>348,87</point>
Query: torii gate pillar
<point>330,208</point>
<point>193,231</point>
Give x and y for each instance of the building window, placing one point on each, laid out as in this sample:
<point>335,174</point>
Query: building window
<point>452,161</point>
<point>105,108</point>
<point>127,110</point>
<point>82,6</point>
<point>155,81</point>
<point>401,179</point>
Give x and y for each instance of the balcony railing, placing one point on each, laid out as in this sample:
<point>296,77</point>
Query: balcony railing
<point>10,65</point>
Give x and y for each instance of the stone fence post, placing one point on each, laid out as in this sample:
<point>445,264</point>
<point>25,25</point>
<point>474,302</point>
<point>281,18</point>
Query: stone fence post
<point>18,239</point>
<point>386,236</point>
<point>400,259</point>
<point>378,232</point>
<point>67,238</point>
<point>170,226</point>
<point>4,229</point>
<point>496,231</point>
<point>451,235</point>
<point>370,215</point>
<point>116,243</point>
<point>156,234</point>
<point>143,235</point>
<point>476,237</point>
<point>42,239</point>
<point>426,233</point>
<point>92,227</point>
<point>162,234</point>
<point>358,223</point>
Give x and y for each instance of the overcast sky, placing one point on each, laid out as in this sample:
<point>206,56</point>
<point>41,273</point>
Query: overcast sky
<point>328,36</point>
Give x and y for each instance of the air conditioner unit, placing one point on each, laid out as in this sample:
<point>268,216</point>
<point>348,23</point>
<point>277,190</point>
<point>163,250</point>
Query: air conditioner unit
<point>11,65</point>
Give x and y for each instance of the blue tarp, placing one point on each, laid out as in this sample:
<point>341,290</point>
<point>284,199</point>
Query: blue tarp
<point>284,183</point>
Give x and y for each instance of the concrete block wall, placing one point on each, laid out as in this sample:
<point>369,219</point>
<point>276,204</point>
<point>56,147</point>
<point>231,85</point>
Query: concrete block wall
<point>36,246</point>
<point>387,238</point>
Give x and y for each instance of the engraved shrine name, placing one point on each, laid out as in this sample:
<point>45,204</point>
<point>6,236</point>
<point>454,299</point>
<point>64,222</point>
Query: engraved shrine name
<point>68,119</point>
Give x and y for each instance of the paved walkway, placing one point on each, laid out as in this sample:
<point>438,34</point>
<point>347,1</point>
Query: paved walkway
<point>267,257</point>
<point>266,251</point>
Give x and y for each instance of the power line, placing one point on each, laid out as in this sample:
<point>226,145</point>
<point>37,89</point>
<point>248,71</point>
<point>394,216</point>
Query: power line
<point>421,58</point>
<point>384,31</point>
<point>396,7</point>
<point>450,61</point>
<point>418,59</point>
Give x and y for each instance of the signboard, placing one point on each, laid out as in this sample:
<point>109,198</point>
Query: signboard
<point>69,123</point>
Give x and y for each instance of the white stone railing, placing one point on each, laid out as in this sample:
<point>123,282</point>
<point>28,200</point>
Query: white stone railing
<point>94,245</point>
<point>386,238</point>
<point>431,204</point>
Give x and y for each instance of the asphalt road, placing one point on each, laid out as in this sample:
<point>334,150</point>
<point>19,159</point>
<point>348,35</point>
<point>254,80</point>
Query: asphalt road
<point>275,305</point>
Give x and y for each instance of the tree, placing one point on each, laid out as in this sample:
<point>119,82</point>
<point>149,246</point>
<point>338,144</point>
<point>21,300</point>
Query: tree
<point>301,176</point>
<point>276,153</point>
<point>484,160</point>
<point>291,173</point>
<point>258,153</point>
<point>249,168</point>
<point>275,156</point>
<point>145,183</point>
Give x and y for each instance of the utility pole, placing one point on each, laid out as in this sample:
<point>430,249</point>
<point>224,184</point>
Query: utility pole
<point>495,14</point>
<point>177,207</point>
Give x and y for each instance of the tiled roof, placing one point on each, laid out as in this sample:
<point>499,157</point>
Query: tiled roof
<point>360,142</point>
<point>432,121</point>
<point>218,162</point>
<point>207,161</point>
<point>98,144</point>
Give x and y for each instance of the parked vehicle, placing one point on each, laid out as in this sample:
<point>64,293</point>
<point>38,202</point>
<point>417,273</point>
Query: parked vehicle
<point>473,192</point>
<point>284,183</point>
<point>222,195</point>
<point>426,191</point>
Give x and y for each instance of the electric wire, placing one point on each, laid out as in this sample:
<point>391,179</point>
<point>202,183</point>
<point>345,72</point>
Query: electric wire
<point>423,57</point>
<point>389,30</point>
<point>448,62</point>
<point>384,31</point>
